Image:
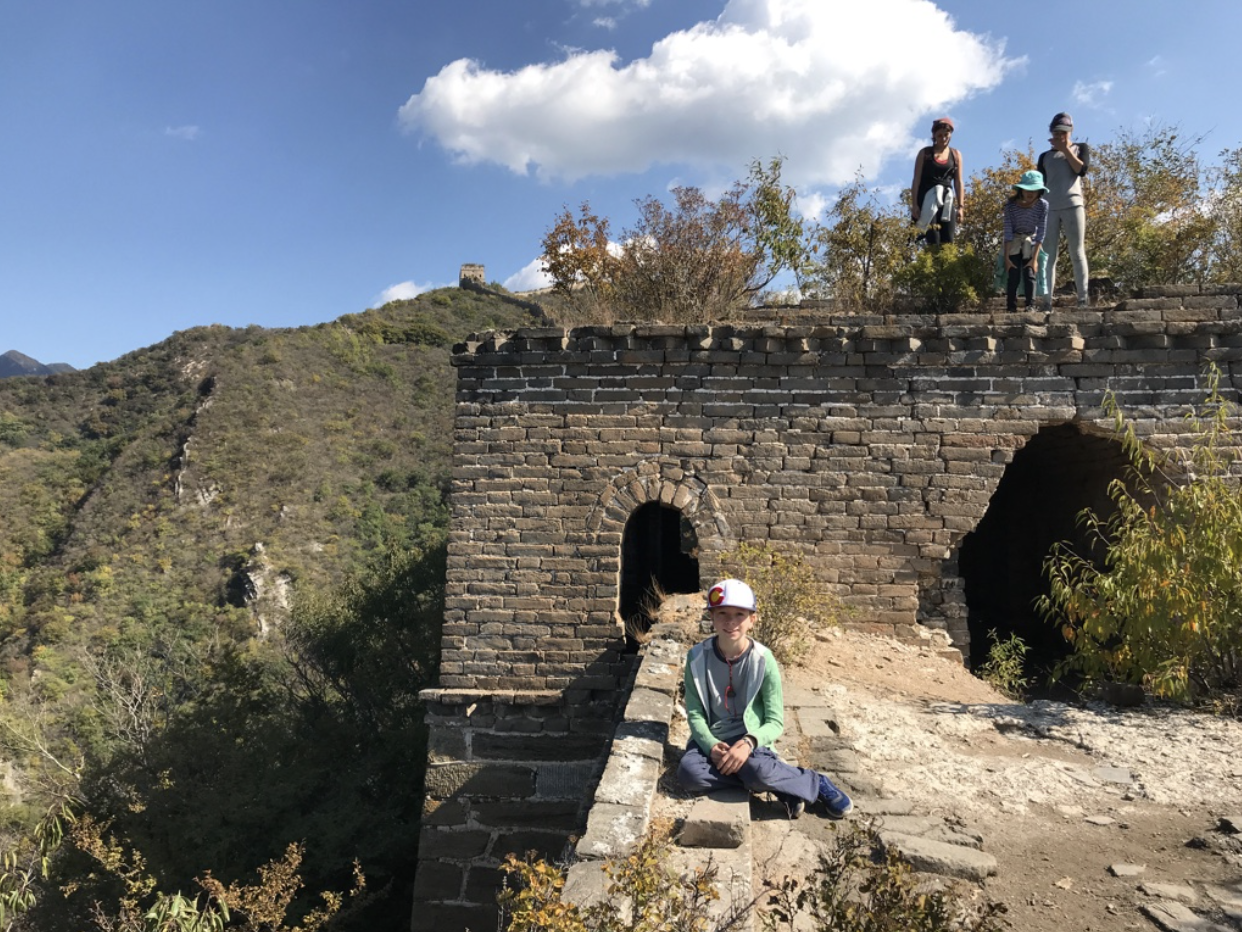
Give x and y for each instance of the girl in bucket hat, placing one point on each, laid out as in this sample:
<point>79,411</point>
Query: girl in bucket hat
<point>1026,222</point>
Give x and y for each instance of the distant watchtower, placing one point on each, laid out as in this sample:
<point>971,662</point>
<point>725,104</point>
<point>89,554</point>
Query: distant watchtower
<point>472,272</point>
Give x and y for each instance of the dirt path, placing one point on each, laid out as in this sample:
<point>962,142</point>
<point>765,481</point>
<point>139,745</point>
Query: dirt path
<point>1062,795</point>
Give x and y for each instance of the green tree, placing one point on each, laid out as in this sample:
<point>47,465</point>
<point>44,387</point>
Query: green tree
<point>1165,609</point>
<point>579,256</point>
<point>792,601</point>
<point>859,250</point>
<point>1149,216</point>
<point>1226,204</point>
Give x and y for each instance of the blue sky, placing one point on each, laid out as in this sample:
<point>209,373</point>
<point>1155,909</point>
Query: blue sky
<point>165,165</point>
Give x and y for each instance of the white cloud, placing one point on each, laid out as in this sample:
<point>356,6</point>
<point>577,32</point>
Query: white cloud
<point>812,205</point>
<point>604,22</point>
<point>532,277</point>
<point>1093,94</point>
<point>1158,66</point>
<point>831,85</point>
<point>640,4</point>
<point>402,291</point>
<point>189,132</point>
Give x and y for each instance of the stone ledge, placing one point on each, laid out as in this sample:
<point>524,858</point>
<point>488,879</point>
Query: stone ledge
<point>451,696</point>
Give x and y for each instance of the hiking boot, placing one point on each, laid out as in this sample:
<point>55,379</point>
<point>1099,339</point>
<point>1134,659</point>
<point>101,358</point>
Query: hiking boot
<point>836,804</point>
<point>794,805</point>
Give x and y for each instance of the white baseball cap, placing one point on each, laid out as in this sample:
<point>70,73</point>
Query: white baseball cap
<point>732,593</point>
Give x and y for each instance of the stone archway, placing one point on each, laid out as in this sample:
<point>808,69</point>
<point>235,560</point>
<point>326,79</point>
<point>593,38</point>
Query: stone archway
<point>659,553</point>
<point>1059,472</point>
<point>657,504</point>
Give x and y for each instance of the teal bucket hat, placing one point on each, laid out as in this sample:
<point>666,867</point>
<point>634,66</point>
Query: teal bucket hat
<point>1032,181</point>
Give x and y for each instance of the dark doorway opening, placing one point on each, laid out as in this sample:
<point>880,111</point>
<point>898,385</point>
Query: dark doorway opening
<point>659,552</point>
<point>1055,476</point>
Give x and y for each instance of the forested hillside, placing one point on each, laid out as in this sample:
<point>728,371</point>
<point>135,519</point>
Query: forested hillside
<point>159,516</point>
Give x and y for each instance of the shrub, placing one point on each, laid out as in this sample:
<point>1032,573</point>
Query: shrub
<point>854,890</point>
<point>792,600</point>
<point>1165,609</point>
<point>946,278</point>
<point>644,895</point>
<point>1004,667</point>
<point>851,890</point>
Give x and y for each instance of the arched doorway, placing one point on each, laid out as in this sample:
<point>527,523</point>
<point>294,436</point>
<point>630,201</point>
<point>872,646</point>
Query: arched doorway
<point>659,551</point>
<point>1051,480</point>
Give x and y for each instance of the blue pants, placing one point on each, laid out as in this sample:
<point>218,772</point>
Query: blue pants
<point>763,772</point>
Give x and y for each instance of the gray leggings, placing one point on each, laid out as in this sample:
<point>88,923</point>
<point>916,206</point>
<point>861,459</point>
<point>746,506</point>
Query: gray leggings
<point>1074,221</point>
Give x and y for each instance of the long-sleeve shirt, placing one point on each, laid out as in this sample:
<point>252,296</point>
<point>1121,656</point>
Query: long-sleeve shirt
<point>1026,221</point>
<point>760,698</point>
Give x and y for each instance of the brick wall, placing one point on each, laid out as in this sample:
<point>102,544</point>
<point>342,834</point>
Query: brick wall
<point>871,445</point>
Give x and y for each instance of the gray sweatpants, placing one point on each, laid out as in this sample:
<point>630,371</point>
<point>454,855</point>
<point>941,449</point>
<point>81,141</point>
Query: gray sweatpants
<point>763,772</point>
<point>1074,221</point>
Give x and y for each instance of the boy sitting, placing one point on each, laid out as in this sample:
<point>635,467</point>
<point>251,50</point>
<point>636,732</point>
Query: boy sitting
<point>736,711</point>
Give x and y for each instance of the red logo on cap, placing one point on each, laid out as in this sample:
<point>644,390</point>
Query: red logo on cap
<point>716,596</point>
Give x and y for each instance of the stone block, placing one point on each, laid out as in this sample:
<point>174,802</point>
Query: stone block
<point>440,917</point>
<point>936,857</point>
<point>438,843</point>
<point>438,880</point>
<point>629,780</point>
<point>643,738</point>
<point>561,814</point>
<point>563,781</point>
<point>612,830</point>
<point>474,779</point>
<point>586,884</point>
<point>551,846</point>
<point>720,819</point>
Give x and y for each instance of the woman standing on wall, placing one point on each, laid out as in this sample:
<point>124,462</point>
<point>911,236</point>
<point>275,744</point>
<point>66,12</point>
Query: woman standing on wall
<point>936,194</point>
<point>1063,167</point>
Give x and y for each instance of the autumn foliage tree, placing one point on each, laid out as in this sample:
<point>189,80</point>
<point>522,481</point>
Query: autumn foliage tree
<point>696,259</point>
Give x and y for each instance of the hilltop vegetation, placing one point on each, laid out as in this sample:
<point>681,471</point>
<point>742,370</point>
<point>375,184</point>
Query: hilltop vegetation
<point>158,516</point>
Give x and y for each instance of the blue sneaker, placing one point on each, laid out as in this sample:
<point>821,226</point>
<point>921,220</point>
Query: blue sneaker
<point>836,804</point>
<point>794,805</point>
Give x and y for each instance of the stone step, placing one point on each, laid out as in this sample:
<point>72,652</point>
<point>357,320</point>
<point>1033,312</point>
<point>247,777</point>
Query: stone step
<point>721,819</point>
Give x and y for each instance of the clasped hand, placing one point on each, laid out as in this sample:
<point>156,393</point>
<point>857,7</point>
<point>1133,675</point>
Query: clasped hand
<point>728,759</point>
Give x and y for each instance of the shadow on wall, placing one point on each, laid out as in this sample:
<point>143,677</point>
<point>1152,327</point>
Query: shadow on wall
<point>1051,480</point>
<point>659,554</point>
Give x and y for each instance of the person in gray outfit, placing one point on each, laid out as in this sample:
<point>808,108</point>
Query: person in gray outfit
<point>1063,167</point>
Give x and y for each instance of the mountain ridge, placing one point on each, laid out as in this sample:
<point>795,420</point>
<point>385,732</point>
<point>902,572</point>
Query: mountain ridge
<point>14,363</point>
